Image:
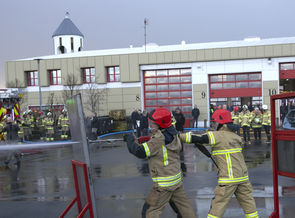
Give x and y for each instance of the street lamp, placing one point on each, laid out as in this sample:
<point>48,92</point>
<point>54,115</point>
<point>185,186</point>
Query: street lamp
<point>39,82</point>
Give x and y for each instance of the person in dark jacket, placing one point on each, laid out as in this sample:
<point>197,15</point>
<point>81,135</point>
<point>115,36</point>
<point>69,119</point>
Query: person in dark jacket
<point>94,126</point>
<point>135,116</point>
<point>250,107</point>
<point>88,127</point>
<point>180,120</point>
<point>11,129</point>
<point>144,124</point>
<point>195,114</point>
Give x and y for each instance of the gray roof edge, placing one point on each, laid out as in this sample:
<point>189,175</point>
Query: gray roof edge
<point>170,48</point>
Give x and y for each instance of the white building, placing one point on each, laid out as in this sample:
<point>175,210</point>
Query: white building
<point>233,73</point>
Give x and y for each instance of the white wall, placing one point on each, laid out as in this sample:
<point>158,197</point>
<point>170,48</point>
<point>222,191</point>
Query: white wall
<point>66,42</point>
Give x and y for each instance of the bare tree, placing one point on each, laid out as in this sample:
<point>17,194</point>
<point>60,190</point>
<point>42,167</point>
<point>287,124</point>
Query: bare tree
<point>94,97</point>
<point>70,87</point>
<point>50,100</point>
<point>16,83</point>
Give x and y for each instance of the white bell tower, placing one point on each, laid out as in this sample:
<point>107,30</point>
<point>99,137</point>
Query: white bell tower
<point>67,38</point>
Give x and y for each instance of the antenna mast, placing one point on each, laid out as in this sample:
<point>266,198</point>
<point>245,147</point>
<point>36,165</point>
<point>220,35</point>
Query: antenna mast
<point>145,24</point>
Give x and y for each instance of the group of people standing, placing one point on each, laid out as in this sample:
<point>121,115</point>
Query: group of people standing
<point>140,120</point>
<point>255,119</point>
<point>21,129</point>
<point>286,107</point>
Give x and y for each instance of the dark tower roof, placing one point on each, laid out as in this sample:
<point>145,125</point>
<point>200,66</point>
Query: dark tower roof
<point>67,27</point>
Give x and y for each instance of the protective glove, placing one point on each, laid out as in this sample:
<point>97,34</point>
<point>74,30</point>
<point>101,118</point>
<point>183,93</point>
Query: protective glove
<point>133,147</point>
<point>143,139</point>
<point>129,137</point>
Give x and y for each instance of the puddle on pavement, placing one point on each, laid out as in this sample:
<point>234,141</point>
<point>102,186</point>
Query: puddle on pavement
<point>122,181</point>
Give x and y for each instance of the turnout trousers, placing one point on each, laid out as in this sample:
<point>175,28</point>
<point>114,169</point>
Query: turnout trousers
<point>246,133</point>
<point>257,133</point>
<point>267,131</point>
<point>158,199</point>
<point>223,195</point>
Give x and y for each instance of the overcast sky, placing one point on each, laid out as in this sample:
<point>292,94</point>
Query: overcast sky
<point>27,25</point>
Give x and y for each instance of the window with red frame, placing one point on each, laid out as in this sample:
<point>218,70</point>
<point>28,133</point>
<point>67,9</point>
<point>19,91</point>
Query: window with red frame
<point>113,74</point>
<point>55,77</point>
<point>88,75</point>
<point>32,78</point>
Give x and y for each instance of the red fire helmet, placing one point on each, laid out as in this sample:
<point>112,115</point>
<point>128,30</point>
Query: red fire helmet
<point>222,116</point>
<point>161,117</point>
<point>236,108</point>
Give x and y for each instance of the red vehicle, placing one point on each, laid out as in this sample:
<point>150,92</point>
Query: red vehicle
<point>9,103</point>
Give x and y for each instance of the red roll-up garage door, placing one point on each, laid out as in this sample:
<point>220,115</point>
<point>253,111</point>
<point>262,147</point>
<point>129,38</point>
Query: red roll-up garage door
<point>235,85</point>
<point>169,88</point>
<point>287,70</point>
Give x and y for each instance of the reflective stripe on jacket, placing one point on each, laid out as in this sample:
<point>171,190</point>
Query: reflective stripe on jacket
<point>226,148</point>
<point>164,161</point>
<point>266,118</point>
<point>235,117</point>
<point>63,120</point>
<point>245,118</point>
<point>256,120</point>
<point>49,122</point>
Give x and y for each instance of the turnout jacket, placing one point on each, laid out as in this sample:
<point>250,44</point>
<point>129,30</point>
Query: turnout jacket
<point>266,118</point>
<point>162,151</point>
<point>245,118</point>
<point>227,151</point>
<point>235,117</point>
<point>256,120</point>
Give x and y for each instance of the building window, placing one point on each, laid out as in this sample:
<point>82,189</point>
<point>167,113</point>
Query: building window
<point>113,74</point>
<point>72,43</point>
<point>287,66</point>
<point>46,108</point>
<point>224,88</point>
<point>235,81</point>
<point>32,78</point>
<point>88,75</point>
<point>80,48</point>
<point>55,77</point>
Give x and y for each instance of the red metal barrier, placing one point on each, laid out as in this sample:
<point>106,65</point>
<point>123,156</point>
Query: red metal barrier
<point>77,199</point>
<point>279,135</point>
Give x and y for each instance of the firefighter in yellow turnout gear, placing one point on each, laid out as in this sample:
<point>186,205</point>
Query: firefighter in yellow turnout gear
<point>3,124</point>
<point>26,126</point>
<point>20,133</point>
<point>245,120</point>
<point>256,121</point>
<point>236,119</point>
<point>162,151</point>
<point>30,122</point>
<point>40,123</point>
<point>233,174</point>
<point>266,121</point>
<point>63,123</point>
<point>49,127</point>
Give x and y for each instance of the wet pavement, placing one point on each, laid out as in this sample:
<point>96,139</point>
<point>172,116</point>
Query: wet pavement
<point>43,185</point>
